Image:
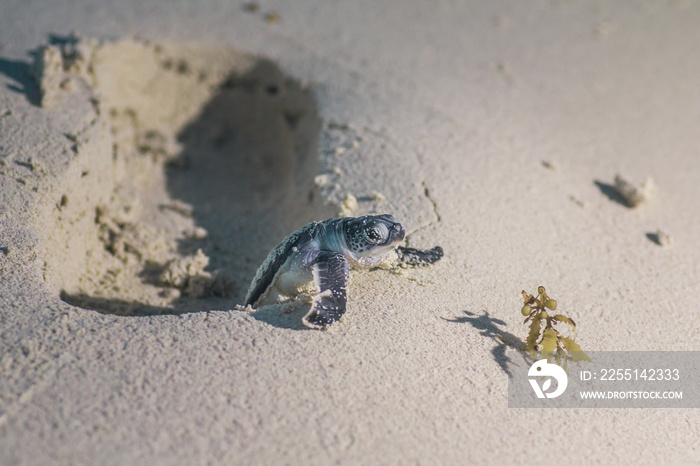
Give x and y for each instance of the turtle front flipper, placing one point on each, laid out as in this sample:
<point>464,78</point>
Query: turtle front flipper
<point>418,257</point>
<point>331,272</point>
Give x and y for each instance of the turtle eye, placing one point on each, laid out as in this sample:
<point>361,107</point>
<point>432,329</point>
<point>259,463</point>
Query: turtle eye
<point>373,234</point>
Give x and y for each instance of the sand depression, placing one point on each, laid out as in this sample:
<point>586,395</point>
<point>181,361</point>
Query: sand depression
<point>188,163</point>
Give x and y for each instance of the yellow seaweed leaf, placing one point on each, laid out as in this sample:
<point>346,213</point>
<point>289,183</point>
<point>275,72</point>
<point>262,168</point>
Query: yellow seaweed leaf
<point>534,334</point>
<point>549,340</point>
<point>563,318</point>
<point>574,349</point>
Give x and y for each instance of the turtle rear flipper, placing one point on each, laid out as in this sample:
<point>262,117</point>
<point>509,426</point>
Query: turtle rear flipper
<point>331,272</point>
<point>418,257</point>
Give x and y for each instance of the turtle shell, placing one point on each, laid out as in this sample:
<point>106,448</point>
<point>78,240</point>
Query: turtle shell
<point>276,258</point>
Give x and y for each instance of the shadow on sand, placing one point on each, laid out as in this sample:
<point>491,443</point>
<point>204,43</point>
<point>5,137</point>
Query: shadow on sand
<point>490,328</point>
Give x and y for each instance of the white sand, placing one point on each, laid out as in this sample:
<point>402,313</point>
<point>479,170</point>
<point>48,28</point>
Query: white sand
<point>142,152</point>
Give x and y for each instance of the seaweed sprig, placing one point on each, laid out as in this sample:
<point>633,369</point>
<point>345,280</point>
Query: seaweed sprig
<point>545,341</point>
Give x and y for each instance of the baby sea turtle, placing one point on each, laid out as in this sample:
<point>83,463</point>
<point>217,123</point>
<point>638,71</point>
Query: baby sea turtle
<point>316,259</point>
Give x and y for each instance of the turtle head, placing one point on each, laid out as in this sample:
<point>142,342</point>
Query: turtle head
<point>372,235</point>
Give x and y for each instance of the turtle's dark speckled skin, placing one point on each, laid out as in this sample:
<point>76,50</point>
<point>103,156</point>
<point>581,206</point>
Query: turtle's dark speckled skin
<point>323,253</point>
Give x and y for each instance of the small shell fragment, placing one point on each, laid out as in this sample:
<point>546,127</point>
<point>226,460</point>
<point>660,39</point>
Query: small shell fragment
<point>634,195</point>
<point>198,233</point>
<point>322,180</point>
<point>348,207</point>
<point>661,238</point>
<point>272,17</point>
<point>578,202</point>
<point>378,197</point>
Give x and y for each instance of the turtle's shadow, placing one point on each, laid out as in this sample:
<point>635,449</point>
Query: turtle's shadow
<point>287,316</point>
<point>489,327</point>
<point>274,314</point>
